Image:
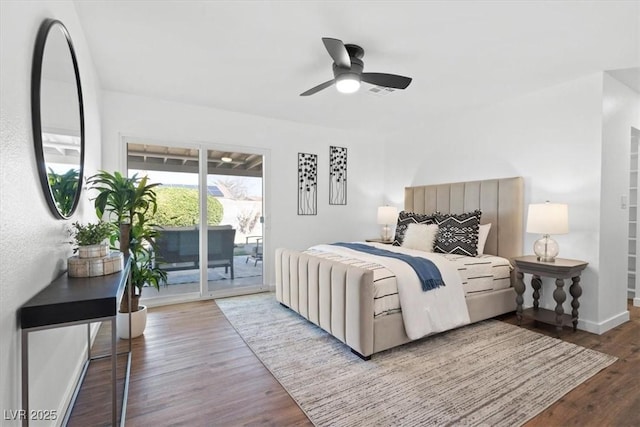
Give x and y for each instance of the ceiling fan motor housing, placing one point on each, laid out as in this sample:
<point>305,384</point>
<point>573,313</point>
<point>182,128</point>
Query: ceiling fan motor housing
<point>356,68</point>
<point>354,51</point>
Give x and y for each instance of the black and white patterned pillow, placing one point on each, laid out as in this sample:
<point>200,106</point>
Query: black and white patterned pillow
<point>458,233</point>
<point>405,218</point>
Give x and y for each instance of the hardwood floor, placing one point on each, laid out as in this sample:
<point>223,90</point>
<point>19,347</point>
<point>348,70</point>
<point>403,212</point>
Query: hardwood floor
<point>189,368</point>
<point>611,397</point>
<point>192,368</point>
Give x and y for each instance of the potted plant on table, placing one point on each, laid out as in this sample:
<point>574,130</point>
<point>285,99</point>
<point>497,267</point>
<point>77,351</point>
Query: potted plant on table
<point>131,204</point>
<point>91,239</point>
<point>93,256</point>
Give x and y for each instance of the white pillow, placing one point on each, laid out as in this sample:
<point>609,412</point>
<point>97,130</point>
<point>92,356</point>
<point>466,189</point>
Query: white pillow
<point>483,233</point>
<point>420,236</point>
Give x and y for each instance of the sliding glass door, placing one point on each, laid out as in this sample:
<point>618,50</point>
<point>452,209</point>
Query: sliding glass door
<point>210,217</point>
<point>235,243</point>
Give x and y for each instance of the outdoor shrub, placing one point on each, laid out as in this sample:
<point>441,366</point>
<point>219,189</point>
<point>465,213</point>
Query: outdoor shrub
<point>179,207</point>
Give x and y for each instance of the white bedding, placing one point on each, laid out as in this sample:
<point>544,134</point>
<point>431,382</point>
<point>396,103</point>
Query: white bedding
<point>423,313</point>
<point>483,273</point>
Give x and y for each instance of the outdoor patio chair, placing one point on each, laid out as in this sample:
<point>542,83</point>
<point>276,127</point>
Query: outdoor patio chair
<point>256,250</point>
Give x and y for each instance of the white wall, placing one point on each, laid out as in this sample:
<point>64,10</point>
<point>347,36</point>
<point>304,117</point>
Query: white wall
<point>171,122</point>
<point>621,112</point>
<point>552,138</point>
<point>52,115</point>
<point>34,248</point>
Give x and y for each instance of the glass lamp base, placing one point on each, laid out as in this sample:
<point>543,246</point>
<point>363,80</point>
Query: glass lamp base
<point>386,233</point>
<point>546,249</point>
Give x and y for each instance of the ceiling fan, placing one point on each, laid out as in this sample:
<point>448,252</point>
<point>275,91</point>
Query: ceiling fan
<point>347,70</point>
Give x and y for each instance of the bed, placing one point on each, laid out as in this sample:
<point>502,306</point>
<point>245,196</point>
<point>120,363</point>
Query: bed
<point>339,297</point>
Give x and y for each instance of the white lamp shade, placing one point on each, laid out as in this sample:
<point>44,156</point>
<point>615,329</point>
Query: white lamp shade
<point>548,218</point>
<point>387,215</point>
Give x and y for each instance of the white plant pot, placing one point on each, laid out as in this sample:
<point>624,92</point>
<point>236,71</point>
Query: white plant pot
<point>93,251</point>
<point>138,323</point>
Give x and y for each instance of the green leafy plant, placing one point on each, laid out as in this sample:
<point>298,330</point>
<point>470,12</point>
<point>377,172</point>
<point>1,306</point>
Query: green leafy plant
<point>63,188</point>
<point>90,234</point>
<point>180,207</point>
<point>123,197</point>
<point>130,202</point>
<point>144,266</point>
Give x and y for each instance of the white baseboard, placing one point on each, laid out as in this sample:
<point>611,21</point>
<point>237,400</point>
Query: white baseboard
<point>636,302</point>
<point>604,326</point>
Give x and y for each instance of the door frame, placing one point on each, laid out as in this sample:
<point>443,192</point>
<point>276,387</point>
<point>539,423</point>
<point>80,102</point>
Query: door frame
<point>203,147</point>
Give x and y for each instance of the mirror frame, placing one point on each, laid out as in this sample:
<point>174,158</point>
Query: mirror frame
<point>36,75</point>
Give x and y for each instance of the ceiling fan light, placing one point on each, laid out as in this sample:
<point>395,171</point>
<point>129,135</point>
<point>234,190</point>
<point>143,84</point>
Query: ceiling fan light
<point>348,83</point>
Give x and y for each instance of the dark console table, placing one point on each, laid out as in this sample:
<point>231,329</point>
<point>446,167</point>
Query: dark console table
<point>71,301</point>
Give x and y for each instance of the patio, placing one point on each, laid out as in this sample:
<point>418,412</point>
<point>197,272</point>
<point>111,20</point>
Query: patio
<point>246,274</point>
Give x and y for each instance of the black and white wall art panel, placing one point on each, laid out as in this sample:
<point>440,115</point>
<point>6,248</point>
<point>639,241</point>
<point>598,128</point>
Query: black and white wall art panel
<point>307,184</point>
<point>337,175</point>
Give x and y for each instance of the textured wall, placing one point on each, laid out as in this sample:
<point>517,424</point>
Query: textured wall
<point>33,248</point>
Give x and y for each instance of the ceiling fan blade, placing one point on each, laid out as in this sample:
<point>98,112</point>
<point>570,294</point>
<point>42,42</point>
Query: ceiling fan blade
<point>337,51</point>
<point>318,88</point>
<point>387,80</point>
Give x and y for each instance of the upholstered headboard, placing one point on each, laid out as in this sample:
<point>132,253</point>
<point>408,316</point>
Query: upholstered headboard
<point>500,200</point>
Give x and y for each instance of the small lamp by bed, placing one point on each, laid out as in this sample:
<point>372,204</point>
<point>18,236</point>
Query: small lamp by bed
<point>387,215</point>
<point>546,219</point>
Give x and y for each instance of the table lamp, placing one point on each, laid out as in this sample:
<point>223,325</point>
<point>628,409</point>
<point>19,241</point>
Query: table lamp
<point>546,219</point>
<point>387,215</point>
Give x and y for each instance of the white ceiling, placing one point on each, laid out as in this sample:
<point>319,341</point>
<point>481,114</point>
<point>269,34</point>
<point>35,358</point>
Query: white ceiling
<point>257,57</point>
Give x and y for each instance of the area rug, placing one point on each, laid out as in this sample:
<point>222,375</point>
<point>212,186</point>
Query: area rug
<point>486,374</point>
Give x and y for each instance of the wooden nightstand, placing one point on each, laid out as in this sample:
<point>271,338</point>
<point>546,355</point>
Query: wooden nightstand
<point>386,242</point>
<point>561,269</point>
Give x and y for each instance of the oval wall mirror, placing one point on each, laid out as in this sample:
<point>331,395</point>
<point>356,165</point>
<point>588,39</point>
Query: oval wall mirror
<point>58,118</point>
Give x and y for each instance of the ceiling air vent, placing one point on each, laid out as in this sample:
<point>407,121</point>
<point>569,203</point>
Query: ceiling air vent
<point>380,90</point>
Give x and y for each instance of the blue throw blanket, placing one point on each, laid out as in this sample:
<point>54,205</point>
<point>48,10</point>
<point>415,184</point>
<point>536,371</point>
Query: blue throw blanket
<point>427,272</point>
